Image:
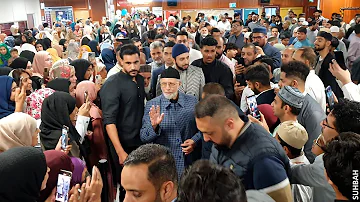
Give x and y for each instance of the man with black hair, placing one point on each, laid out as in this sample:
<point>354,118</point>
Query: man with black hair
<point>343,118</point>
<point>294,74</point>
<point>244,147</point>
<point>237,36</point>
<point>302,39</point>
<point>323,46</point>
<point>221,57</point>
<point>214,70</point>
<point>262,47</point>
<point>150,38</point>
<point>237,16</point>
<point>258,80</point>
<point>215,32</point>
<point>312,31</point>
<point>149,174</point>
<point>313,84</point>
<point>203,176</point>
<point>285,39</point>
<point>122,100</point>
<point>341,161</point>
<point>183,37</point>
<point>231,51</point>
<point>169,120</point>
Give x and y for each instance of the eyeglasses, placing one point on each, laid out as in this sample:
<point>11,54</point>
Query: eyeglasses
<point>235,26</point>
<point>171,85</point>
<point>326,124</point>
<point>320,142</point>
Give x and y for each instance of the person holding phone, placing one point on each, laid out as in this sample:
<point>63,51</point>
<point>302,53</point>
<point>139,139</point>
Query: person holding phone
<point>350,89</point>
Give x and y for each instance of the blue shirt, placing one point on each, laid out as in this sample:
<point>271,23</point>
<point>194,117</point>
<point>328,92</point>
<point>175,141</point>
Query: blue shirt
<point>304,43</point>
<point>177,126</point>
<point>274,54</point>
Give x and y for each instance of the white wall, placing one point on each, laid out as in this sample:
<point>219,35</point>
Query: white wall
<point>17,10</point>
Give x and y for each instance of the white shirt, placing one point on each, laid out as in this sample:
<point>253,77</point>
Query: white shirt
<point>114,70</point>
<point>213,23</point>
<point>301,193</point>
<point>351,91</point>
<point>224,25</point>
<point>194,55</point>
<point>316,89</point>
<point>82,123</point>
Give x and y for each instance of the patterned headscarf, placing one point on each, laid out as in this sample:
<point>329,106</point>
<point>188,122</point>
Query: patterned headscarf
<point>61,69</point>
<point>34,102</point>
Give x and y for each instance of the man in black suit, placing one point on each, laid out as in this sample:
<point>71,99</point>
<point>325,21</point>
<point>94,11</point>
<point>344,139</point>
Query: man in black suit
<point>323,46</point>
<point>140,27</point>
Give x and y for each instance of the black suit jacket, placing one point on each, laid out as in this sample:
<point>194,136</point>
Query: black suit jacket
<point>327,78</point>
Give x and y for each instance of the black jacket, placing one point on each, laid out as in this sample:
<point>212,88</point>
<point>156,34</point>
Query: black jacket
<point>327,78</point>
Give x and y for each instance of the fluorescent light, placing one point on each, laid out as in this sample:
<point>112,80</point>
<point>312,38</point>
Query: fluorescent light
<point>42,5</point>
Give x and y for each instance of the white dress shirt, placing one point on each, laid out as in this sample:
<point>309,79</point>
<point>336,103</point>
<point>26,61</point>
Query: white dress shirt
<point>224,25</point>
<point>351,91</point>
<point>194,55</point>
<point>248,92</point>
<point>114,70</point>
<point>316,89</point>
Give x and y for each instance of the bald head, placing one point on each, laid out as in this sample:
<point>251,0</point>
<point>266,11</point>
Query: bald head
<point>286,55</point>
<point>219,47</point>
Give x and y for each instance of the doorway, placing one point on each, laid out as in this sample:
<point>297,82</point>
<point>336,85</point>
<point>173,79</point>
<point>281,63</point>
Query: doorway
<point>30,21</point>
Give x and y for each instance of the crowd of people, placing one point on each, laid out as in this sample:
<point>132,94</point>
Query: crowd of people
<point>188,110</point>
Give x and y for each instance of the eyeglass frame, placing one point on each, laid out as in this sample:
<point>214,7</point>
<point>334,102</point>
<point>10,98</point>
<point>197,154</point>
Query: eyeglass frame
<point>325,123</point>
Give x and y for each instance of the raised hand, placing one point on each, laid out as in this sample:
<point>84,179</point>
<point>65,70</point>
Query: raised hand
<point>155,116</point>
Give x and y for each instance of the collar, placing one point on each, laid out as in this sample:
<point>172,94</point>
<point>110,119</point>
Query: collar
<point>265,91</point>
<point>167,103</point>
<point>298,159</point>
<point>168,66</point>
<point>211,64</point>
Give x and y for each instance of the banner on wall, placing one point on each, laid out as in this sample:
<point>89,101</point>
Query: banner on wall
<point>247,11</point>
<point>174,13</point>
<point>157,11</point>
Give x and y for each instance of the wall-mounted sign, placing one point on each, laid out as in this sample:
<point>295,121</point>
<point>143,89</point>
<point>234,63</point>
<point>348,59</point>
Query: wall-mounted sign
<point>232,5</point>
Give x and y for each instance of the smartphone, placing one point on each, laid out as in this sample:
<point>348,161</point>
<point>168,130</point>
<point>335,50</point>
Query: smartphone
<point>91,56</point>
<point>98,79</point>
<point>253,108</point>
<point>63,186</point>
<point>330,97</point>
<point>85,95</point>
<point>21,82</point>
<point>256,43</point>
<point>64,137</point>
<point>46,73</point>
<point>85,56</point>
<point>339,56</point>
<point>240,78</point>
<point>240,61</point>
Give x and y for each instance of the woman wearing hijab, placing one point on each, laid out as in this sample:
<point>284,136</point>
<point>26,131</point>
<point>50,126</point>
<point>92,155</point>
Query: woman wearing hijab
<point>7,97</point>
<point>54,54</point>
<point>73,51</point>
<point>10,41</point>
<point>60,84</point>
<point>28,55</point>
<point>108,57</point>
<point>78,175</point>
<point>4,71</point>
<point>59,49</point>
<point>97,138</point>
<point>24,174</point>
<point>34,102</point>
<point>14,31</point>
<point>94,46</point>
<point>63,44</point>
<point>41,65</point>
<point>83,69</point>
<point>60,109</point>
<point>84,49</point>
<point>4,55</point>
<point>101,70</point>
<point>18,130</point>
<point>56,161</point>
<point>20,63</point>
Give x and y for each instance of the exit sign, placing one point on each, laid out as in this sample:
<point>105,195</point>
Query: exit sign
<point>232,5</point>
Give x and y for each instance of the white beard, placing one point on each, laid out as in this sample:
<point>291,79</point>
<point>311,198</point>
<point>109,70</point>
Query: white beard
<point>147,89</point>
<point>170,96</point>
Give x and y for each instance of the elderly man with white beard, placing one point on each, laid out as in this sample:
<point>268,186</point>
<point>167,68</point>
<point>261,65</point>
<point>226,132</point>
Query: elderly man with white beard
<point>169,120</point>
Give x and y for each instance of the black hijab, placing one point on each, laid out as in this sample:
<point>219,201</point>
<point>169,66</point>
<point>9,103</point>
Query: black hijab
<point>28,54</point>
<point>94,47</point>
<point>19,63</point>
<point>55,113</point>
<point>4,71</point>
<point>81,66</point>
<point>59,84</point>
<point>22,171</point>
